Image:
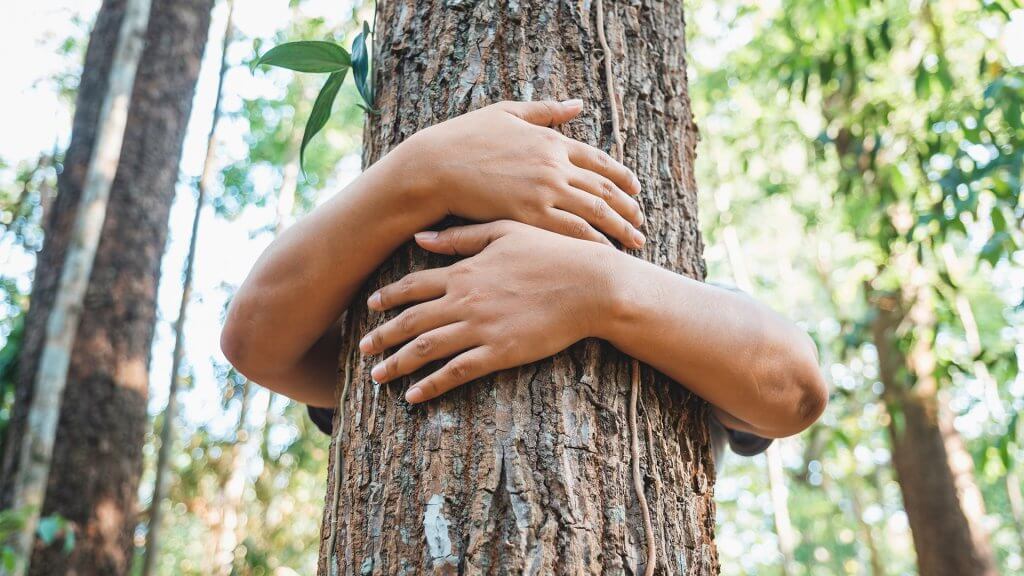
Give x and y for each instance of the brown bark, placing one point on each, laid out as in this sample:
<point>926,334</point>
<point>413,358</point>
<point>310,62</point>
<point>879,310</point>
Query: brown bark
<point>942,500</point>
<point>529,470</point>
<point>98,456</point>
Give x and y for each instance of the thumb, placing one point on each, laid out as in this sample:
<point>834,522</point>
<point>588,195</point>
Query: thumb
<point>462,240</point>
<point>544,112</point>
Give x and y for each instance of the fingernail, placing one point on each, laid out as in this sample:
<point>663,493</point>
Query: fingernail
<point>638,238</point>
<point>641,218</point>
<point>414,395</point>
<point>378,372</point>
<point>636,183</point>
<point>365,343</point>
<point>428,235</point>
<point>574,104</point>
<point>374,301</point>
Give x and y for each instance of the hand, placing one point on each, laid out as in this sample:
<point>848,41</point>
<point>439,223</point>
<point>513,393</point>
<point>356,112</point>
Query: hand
<point>497,309</point>
<point>503,162</point>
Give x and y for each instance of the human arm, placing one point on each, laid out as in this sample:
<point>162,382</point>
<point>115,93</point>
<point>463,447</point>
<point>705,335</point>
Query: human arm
<point>526,294</point>
<point>497,162</point>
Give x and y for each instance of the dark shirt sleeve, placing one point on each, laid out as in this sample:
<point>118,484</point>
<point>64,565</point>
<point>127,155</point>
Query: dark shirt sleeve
<point>323,418</point>
<point>740,443</point>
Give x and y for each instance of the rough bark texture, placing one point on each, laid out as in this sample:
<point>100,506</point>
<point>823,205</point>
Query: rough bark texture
<point>98,455</point>
<point>935,472</point>
<point>528,471</point>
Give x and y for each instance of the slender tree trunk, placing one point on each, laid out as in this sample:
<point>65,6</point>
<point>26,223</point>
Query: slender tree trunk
<point>38,439</point>
<point>222,539</point>
<point>98,452</point>
<point>874,557</point>
<point>167,434</point>
<point>935,473</point>
<point>229,528</point>
<point>529,470</point>
<point>777,487</point>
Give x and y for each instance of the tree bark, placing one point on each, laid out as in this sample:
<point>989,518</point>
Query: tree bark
<point>98,455</point>
<point>168,432</point>
<point>528,470</point>
<point>942,500</point>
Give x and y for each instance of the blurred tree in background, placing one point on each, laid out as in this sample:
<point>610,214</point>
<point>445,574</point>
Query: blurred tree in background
<point>861,164</point>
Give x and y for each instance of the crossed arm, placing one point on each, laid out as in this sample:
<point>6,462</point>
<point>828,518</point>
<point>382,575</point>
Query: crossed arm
<point>539,276</point>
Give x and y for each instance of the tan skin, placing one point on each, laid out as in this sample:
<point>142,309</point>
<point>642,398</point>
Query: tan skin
<point>547,203</point>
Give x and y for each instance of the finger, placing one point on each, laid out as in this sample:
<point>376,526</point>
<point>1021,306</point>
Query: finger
<point>407,325</point>
<point>462,240</point>
<point>605,189</point>
<point>544,112</point>
<point>441,343</point>
<point>569,224</point>
<point>590,158</point>
<point>600,215</point>
<point>414,287</point>
<point>459,370</point>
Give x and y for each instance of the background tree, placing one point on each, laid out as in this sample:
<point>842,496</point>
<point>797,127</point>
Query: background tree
<point>97,457</point>
<point>765,153</point>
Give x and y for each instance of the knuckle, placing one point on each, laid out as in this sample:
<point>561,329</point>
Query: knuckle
<point>407,321</point>
<point>405,285</point>
<point>599,209</point>
<point>377,339</point>
<point>603,160</point>
<point>578,229</point>
<point>455,239</point>
<point>472,297</point>
<point>391,367</point>
<point>460,369</point>
<point>424,345</point>
<point>606,190</point>
<point>551,162</point>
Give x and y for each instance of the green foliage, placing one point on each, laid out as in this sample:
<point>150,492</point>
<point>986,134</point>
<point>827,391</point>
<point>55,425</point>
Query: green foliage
<point>324,57</point>
<point>314,56</point>
<point>361,67</point>
<point>851,145</point>
<point>321,109</point>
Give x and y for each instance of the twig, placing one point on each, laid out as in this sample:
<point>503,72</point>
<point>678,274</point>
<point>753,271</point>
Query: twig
<point>634,444</point>
<point>339,472</point>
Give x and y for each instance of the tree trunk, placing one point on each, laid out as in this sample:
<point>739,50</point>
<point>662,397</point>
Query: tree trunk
<point>935,473</point>
<point>98,455</point>
<point>168,433</point>
<point>528,470</point>
<point>40,433</point>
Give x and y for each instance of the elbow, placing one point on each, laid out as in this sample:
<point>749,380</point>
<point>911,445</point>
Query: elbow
<point>811,402</point>
<point>803,395</point>
<point>237,345</point>
<point>810,389</point>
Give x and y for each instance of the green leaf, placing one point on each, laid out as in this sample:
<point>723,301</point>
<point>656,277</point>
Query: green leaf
<point>307,56</point>
<point>361,67</point>
<point>48,528</point>
<point>321,111</point>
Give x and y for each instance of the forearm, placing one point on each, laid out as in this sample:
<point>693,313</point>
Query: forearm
<point>279,326</point>
<point>737,354</point>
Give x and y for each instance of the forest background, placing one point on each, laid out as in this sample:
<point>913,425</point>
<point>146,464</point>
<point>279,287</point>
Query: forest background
<point>932,94</point>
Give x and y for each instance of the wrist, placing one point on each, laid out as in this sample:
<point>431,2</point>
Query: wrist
<point>412,177</point>
<point>612,303</point>
<point>621,303</point>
